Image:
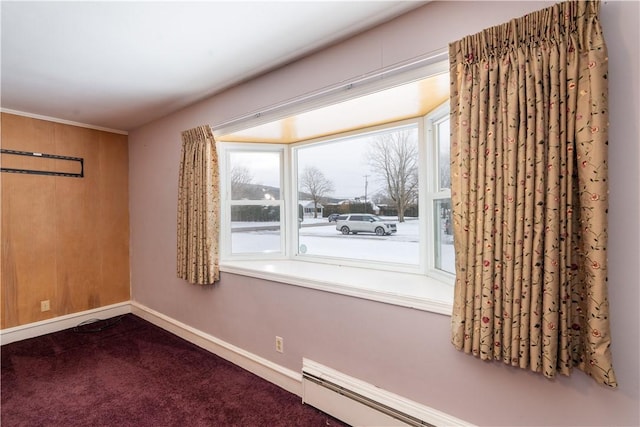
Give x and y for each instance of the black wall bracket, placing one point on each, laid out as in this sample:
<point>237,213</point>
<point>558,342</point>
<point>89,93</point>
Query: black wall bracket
<point>44,156</point>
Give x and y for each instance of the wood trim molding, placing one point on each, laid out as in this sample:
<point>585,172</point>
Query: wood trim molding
<point>63,121</point>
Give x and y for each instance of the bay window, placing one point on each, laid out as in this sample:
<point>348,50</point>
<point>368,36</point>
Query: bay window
<point>328,207</point>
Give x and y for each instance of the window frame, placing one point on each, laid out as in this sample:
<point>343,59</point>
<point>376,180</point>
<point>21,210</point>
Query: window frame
<point>421,267</point>
<point>428,289</point>
<point>433,190</point>
<point>225,150</point>
<point>429,192</point>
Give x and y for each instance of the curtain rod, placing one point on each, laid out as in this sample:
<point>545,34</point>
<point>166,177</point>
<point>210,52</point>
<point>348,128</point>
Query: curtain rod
<point>383,73</point>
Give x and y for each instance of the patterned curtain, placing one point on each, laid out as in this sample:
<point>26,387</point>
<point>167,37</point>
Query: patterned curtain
<point>529,169</point>
<point>198,208</point>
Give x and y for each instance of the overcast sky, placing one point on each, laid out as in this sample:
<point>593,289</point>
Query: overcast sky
<point>345,165</point>
<point>344,162</point>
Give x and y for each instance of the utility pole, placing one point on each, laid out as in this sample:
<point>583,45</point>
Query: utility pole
<point>366,184</point>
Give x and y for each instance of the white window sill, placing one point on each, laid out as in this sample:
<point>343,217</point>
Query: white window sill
<point>403,289</point>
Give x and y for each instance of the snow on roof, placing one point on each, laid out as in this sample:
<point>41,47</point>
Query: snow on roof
<point>308,203</point>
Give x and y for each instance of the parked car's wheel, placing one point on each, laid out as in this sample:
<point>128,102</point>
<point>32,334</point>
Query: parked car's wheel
<point>345,230</point>
<point>380,231</point>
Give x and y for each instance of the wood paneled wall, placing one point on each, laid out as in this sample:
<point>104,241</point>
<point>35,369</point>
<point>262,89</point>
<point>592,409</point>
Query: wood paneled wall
<point>64,239</point>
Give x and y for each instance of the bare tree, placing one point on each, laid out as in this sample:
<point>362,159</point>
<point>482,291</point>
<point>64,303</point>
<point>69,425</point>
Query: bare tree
<point>240,179</point>
<point>313,181</point>
<point>394,159</point>
<point>381,197</point>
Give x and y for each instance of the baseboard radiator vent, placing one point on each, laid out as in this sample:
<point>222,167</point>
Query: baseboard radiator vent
<point>361,404</point>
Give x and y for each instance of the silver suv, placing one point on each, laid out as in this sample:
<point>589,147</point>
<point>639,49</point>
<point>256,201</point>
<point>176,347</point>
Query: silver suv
<point>365,223</point>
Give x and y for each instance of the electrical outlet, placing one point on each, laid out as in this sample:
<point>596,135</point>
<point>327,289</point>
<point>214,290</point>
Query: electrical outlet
<point>45,305</point>
<point>279,344</point>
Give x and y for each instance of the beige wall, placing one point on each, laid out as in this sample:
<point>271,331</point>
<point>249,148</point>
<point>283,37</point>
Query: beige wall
<point>64,239</point>
<point>402,350</point>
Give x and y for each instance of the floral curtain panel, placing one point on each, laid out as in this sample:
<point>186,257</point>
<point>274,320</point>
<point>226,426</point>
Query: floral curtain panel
<point>198,208</point>
<point>529,169</point>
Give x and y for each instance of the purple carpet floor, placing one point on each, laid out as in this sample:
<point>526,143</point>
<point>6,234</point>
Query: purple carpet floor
<point>128,372</point>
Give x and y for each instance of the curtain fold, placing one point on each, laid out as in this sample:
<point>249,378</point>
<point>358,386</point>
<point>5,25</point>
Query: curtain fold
<point>198,208</point>
<point>529,117</point>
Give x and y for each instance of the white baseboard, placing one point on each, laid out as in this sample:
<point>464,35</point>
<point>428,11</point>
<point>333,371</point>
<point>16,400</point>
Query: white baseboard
<point>61,323</point>
<point>272,372</point>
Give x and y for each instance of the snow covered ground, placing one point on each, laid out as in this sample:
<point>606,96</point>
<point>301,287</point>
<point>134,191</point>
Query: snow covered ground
<point>320,237</point>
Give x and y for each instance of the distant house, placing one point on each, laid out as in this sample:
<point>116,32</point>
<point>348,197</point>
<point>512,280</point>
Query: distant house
<point>308,208</point>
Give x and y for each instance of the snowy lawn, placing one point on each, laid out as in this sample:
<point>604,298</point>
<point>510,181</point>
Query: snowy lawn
<point>320,237</point>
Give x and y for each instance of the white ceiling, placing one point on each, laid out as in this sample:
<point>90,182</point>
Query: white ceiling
<point>119,64</point>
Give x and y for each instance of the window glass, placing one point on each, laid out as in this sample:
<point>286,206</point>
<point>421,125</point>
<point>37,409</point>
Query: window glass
<point>255,207</point>
<point>255,228</point>
<point>371,173</point>
<point>254,175</point>
<point>443,137</point>
<point>444,253</point>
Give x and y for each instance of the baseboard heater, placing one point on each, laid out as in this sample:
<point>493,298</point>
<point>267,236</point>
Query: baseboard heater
<point>361,404</point>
